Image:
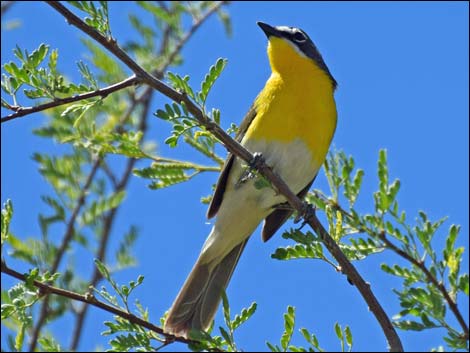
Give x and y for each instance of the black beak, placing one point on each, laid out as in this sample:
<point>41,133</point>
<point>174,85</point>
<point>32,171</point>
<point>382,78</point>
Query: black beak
<point>269,30</point>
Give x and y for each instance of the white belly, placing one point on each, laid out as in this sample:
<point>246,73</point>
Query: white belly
<point>244,206</point>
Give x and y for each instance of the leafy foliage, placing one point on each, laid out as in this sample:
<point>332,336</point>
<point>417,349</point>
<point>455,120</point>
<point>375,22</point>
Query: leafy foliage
<point>226,341</point>
<point>123,291</point>
<point>88,188</point>
<point>165,174</point>
<point>183,123</point>
<point>344,336</point>
<point>99,18</point>
<point>40,82</point>
<point>7,213</point>
<point>87,191</point>
<point>427,277</point>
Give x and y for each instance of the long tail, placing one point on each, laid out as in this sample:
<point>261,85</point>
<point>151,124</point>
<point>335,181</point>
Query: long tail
<point>197,302</point>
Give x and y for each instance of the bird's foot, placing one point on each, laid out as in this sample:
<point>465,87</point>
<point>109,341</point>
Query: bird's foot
<point>257,161</point>
<point>308,211</point>
<point>252,170</point>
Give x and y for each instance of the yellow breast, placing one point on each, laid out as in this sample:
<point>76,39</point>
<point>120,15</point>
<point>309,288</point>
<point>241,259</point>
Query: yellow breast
<point>297,102</point>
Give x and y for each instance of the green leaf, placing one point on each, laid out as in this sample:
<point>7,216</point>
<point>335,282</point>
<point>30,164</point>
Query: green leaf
<point>171,141</point>
<point>289,323</point>
<point>261,183</point>
<point>160,13</point>
<point>299,251</point>
<point>349,337</point>
<point>31,277</point>
<point>38,55</point>
<point>463,283</point>
<point>273,348</point>
<point>211,77</point>
<point>226,21</point>
<point>124,256</point>
<point>7,310</point>
<point>450,241</point>
<point>181,84</point>
<point>103,270</point>
<point>107,296</point>
<point>338,331</point>
<point>82,108</point>
<point>19,339</point>
<point>225,335</point>
<point>49,344</point>
<point>166,174</point>
<point>244,316</point>
<point>87,75</point>
<point>226,307</point>
<point>97,208</point>
<point>409,325</point>
<point>162,114</point>
<point>7,214</point>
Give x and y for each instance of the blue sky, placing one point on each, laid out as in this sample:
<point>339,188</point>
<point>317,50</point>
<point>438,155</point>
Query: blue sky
<point>402,70</point>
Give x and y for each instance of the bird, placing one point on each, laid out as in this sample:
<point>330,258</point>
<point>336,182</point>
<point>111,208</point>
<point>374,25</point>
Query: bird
<point>291,124</point>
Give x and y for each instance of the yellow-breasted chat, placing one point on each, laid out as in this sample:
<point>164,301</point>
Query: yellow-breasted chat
<point>291,123</point>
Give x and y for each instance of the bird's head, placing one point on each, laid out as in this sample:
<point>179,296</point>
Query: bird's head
<point>290,50</point>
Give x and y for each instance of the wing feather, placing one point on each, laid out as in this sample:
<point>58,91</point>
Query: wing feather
<point>278,217</point>
<point>222,182</point>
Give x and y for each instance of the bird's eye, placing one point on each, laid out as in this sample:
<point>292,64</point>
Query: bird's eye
<point>299,37</point>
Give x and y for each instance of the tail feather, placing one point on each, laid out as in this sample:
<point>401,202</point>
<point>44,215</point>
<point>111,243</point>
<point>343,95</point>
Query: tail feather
<point>196,304</point>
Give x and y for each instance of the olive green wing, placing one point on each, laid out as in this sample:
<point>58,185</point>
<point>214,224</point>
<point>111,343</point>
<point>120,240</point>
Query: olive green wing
<point>222,182</point>
<point>279,216</point>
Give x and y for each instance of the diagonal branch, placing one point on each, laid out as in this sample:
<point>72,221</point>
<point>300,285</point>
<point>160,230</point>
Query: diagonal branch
<point>102,92</point>
<point>238,150</point>
<point>91,300</point>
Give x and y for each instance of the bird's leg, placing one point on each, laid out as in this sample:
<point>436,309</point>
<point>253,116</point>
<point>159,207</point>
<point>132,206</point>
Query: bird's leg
<point>308,211</point>
<point>251,171</point>
<point>257,161</point>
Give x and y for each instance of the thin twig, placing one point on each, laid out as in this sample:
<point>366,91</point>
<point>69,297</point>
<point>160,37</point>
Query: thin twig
<point>91,300</point>
<point>102,92</point>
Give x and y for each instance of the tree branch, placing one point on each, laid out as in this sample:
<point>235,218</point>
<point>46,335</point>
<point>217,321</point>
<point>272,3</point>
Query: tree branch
<point>91,300</point>
<point>102,92</point>
<point>239,151</point>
